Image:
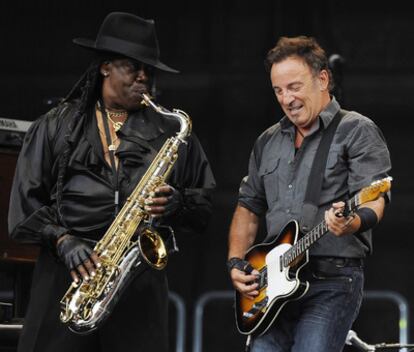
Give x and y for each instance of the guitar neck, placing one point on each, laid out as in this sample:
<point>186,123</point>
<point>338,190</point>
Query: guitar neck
<point>304,243</point>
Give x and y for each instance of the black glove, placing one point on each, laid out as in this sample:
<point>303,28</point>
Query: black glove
<point>175,202</point>
<point>167,201</point>
<point>73,251</point>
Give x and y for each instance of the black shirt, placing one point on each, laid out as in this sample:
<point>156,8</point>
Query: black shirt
<point>87,203</point>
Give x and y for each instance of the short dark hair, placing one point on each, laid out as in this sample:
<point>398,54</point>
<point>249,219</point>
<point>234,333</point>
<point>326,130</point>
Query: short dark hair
<point>306,48</point>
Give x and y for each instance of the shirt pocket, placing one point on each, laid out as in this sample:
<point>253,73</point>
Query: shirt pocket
<point>269,174</point>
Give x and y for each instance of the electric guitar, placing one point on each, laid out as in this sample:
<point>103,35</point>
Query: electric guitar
<point>279,263</point>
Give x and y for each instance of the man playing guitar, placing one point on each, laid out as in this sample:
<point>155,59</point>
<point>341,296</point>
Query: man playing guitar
<point>326,300</point>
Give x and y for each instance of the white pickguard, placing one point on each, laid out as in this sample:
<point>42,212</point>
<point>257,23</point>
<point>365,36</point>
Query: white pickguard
<point>278,282</point>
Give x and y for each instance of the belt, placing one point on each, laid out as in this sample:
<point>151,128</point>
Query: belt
<point>338,261</point>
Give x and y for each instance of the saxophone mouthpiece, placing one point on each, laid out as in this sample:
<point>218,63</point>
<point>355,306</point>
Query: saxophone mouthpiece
<point>146,98</point>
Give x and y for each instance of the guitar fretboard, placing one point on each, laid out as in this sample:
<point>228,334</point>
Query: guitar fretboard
<point>315,234</point>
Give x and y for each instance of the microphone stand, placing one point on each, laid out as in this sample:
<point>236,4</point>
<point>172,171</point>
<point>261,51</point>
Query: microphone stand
<point>352,339</point>
<point>383,346</point>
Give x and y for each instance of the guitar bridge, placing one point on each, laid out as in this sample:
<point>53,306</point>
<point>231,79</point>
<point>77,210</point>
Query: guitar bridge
<point>257,307</point>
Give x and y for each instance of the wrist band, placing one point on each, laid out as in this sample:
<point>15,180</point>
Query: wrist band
<point>368,218</point>
<point>239,264</point>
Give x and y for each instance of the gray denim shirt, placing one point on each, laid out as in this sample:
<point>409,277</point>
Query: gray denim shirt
<point>278,176</point>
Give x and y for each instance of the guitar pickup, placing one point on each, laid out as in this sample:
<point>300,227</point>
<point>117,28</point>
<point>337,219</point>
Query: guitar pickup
<point>247,315</point>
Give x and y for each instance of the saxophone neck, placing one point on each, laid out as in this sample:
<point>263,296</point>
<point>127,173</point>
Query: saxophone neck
<point>182,117</point>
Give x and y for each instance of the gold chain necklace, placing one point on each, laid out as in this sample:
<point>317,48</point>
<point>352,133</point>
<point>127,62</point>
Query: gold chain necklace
<point>117,125</point>
<point>112,146</point>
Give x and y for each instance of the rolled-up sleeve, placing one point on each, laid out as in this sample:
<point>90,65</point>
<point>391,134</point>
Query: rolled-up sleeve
<point>252,193</point>
<point>368,155</point>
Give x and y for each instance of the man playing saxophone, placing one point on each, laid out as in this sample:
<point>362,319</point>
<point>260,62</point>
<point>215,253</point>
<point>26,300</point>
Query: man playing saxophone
<point>78,165</point>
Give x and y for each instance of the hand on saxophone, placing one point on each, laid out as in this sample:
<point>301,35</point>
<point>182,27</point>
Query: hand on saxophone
<point>79,258</point>
<point>165,202</point>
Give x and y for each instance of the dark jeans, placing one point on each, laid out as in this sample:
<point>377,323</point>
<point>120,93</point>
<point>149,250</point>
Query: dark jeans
<point>320,320</point>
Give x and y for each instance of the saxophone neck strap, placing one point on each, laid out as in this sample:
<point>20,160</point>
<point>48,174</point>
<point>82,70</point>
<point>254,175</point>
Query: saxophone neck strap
<point>111,154</point>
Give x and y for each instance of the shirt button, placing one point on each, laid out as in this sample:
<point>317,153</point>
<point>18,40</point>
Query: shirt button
<point>290,186</point>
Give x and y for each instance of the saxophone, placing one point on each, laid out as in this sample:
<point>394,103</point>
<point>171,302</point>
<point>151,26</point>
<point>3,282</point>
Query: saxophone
<point>87,304</point>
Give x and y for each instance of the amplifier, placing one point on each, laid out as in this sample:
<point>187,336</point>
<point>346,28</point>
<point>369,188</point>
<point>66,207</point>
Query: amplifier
<point>12,132</point>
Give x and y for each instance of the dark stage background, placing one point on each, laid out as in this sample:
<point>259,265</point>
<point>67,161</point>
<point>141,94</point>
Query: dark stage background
<point>219,47</point>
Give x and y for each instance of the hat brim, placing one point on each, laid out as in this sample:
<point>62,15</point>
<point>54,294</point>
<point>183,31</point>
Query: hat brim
<point>90,44</point>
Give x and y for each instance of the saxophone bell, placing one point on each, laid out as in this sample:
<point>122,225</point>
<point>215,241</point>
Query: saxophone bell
<point>152,248</point>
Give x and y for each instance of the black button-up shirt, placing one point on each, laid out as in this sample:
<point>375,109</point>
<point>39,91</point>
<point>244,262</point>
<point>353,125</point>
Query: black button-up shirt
<point>88,197</point>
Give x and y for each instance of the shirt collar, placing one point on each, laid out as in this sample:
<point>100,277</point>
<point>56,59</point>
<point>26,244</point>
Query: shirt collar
<point>326,116</point>
<point>329,112</point>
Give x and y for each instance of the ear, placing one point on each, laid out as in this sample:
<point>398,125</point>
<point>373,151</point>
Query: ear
<point>323,80</point>
<point>105,68</point>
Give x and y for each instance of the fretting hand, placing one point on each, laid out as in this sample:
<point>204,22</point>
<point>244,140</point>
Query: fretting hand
<point>338,224</point>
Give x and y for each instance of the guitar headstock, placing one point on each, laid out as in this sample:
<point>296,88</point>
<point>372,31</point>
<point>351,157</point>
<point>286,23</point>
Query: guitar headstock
<point>374,190</point>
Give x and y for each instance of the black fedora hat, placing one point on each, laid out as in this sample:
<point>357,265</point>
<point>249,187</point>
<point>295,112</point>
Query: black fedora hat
<point>128,35</point>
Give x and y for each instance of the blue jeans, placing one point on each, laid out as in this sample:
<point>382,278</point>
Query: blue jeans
<point>320,320</point>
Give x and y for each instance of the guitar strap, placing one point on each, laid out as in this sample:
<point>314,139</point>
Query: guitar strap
<point>313,190</point>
